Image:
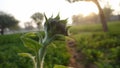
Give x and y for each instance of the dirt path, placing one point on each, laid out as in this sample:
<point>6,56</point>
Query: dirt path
<point>75,60</point>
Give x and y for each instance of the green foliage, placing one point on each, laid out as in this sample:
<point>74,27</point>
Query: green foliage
<point>112,26</point>
<point>5,39</point>
<point>58,55</point>
<point>7,21</point>
<point>108,11</point>
<point>53,28</point>
<point>102,49</point>
<point>26,55</point>
<point>32,44</point>
<point>11,45</point>
<point>60,66</point>
<point>38,18</point>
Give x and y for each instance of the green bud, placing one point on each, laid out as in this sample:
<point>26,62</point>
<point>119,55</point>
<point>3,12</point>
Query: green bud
<point>55,26</point>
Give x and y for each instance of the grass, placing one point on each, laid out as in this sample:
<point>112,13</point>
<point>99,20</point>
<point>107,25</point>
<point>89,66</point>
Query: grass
<point>112,26</point>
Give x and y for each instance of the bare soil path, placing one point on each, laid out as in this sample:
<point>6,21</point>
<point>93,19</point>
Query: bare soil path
<point>75,60</point>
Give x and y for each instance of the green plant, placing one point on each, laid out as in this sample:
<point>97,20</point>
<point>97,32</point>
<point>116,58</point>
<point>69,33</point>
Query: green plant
<point>60,66</point>
<point>54,28</point>
<point>10,45</point>
<point>101,49</point>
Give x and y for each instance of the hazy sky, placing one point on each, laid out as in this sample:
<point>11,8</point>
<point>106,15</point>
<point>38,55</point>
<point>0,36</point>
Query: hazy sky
<point>23,9</point>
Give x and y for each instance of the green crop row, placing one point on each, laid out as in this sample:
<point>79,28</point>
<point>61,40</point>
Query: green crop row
<point>101,49</point>
<point>5,39</point>
<point>11,45</point>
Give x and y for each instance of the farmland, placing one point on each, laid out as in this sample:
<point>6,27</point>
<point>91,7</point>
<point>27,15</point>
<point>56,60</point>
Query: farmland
<point>99,48</point>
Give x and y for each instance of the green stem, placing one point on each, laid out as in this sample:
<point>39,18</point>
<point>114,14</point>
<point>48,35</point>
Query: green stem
<point>42,51</point>
<point>37,60</point>
<point>34,62</point>
<point>42,55</point>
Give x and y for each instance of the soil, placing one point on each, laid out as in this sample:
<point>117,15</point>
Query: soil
<point>77,58</point>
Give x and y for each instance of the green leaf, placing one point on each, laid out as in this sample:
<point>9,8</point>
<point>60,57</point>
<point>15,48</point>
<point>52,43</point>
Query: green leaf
<point>57,17</point>
<point>29,56</point>
<point>31,44</point>
<point>41,36</point>
<point>30,34</point>
<point>68,27</point>
<point>60,37</point>
<point>64,21</point>
<point>60,66</point>
<point>26,55</point>
<point>69,38</point>
<point>53,45</point>
<point>46,19</point>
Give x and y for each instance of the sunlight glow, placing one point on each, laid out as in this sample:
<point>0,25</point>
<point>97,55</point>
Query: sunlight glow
<point>23,9</point>
<point>86,8</point>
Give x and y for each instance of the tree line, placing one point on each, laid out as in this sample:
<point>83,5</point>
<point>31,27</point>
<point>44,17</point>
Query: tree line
<point>93,17</point>
<point>10,22</point>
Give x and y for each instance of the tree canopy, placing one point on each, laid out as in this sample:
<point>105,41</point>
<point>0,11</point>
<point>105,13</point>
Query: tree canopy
<point>80,19</point>
<point>7,21</point>
<point>38,18</point>
<point>108,11</point>
<point>101,13</point>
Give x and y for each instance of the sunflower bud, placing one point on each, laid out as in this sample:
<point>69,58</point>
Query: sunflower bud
<point>55,26</point>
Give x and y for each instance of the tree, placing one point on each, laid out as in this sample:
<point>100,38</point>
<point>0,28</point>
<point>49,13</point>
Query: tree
<point>107,11</point>
<point>78,19</point>
<point>16,27</point>
<point>92,18</point>
<point>38,18</point>
<point>28,25</point>
<point>7,21</point>
<point>101,13</point>
<point>119,12</point>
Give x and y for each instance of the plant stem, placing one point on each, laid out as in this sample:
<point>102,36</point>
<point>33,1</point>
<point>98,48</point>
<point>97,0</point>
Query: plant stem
<point>37,60</point>
<point>42,55</point>
<point>34,62</point>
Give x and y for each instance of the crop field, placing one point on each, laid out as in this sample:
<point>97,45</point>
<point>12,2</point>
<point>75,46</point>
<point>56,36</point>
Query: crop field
<point>99,48</point>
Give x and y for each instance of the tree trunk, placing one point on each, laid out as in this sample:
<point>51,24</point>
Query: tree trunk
<point>102,16</point>
<point>39,26</point>
<point>119,17</point>
<point>2,31</point>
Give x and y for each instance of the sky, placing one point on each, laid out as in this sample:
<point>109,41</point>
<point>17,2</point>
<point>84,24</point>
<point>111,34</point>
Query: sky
<point>23,9</point>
